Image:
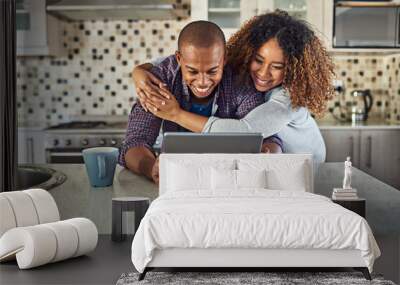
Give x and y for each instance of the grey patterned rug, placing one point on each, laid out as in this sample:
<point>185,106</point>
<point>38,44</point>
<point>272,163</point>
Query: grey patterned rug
<point>243,278</point>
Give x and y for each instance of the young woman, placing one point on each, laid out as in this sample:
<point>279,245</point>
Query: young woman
<point>283,59</point>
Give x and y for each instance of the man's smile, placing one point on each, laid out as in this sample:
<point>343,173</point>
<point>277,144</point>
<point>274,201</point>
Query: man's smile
<point>205,91</point>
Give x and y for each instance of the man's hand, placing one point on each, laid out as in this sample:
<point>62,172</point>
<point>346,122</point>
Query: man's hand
<point>155,174</point>
<point>141,160</point>
<point>270,147</point>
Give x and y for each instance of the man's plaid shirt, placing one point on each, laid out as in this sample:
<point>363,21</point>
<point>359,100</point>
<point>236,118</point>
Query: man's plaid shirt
<point>230,101</point>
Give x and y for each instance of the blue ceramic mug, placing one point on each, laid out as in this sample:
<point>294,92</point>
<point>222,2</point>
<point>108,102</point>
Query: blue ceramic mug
<point>100,165</point>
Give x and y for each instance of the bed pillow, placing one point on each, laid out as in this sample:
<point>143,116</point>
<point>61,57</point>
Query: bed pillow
<point>251,178</point>
<point>182,177</point>
<point>284,174</point>
<point>293,180</point>
<point>190,176</point>
<point>224,179</point>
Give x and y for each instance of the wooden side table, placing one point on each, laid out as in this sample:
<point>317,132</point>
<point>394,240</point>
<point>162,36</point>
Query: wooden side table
<point>139,205</point>
<point>356,205</point>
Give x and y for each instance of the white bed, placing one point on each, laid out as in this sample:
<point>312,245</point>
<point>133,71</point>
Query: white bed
<point>247,210</point>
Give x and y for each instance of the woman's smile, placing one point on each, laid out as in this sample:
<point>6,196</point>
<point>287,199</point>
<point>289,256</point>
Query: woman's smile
<point>261,82</point>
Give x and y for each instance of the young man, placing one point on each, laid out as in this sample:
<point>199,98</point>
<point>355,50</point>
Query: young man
<point>196,75</point>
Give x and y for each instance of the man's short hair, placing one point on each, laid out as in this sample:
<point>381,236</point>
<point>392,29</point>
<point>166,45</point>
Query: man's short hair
<point>201,34</point>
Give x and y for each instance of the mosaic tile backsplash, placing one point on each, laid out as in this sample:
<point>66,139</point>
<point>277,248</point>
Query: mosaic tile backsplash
<point>380,74</point>
<point>93,77</point>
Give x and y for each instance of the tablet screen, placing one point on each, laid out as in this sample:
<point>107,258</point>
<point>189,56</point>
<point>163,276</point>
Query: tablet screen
<point>212,143</point>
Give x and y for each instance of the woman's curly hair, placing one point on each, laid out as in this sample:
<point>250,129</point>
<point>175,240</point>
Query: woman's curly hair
<point>308,69</point>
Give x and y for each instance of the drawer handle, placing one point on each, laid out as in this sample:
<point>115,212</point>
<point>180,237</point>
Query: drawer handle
<point>30,150</point>
<point>351,148</point>
<point>369,160</point>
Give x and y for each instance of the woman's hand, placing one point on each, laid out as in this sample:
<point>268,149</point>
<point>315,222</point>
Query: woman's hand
<point>167,109</point>
<point>271,147</point>
<point>147,85</point>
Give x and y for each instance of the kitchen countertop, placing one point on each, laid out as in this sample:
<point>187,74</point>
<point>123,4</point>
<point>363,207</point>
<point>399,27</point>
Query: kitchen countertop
<point>117,131</point>
<point>31,128</point>
<point>373,123</point>
<point>324,124</point>
<point>76,198</point>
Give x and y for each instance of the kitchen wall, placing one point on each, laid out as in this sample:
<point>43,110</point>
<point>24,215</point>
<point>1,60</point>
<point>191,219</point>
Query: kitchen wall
<point>393,67</point>
<point>379,73</point>
<point>93,77</point>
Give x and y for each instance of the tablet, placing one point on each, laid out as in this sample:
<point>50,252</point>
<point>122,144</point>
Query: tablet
<point>212,143</point>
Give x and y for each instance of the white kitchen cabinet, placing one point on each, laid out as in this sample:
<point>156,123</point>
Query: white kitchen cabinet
<point>308,10</point>
<point>230,14</point>
<point>37,32</point>
<point>376,152</point>
<point>311,11</point>
<point>31,148</point>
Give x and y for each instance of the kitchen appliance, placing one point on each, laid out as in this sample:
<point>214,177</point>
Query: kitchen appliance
<point>361,104</point>
<point>372,24</point>
<point>37,33</point>
<point>64,142</point>
<point>83,10</point>
<point>354,110</point>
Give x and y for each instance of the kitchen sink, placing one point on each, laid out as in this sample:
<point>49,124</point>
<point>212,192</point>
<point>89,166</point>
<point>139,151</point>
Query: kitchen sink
<point>32,176</point>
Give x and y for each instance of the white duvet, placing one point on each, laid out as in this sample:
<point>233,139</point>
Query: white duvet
<point>252,218</point>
